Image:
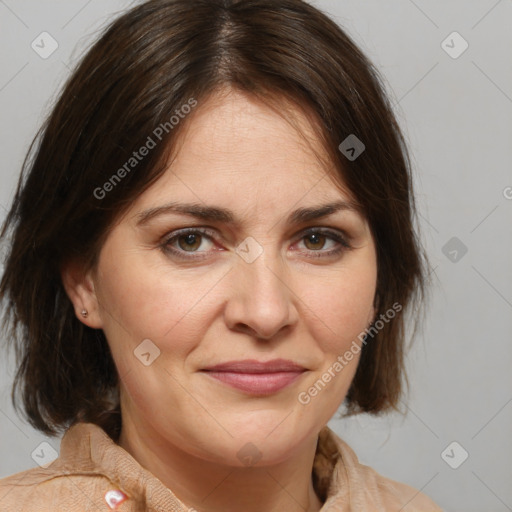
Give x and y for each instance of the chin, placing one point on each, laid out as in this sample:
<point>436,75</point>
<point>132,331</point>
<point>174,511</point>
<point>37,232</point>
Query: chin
<point>269,441</point>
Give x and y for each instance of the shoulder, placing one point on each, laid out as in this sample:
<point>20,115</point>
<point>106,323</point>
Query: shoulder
<point>25,490</point>
<point>364,487</point>
<point>75,481</point>
<point>395,495</point>
<point>46,490</point>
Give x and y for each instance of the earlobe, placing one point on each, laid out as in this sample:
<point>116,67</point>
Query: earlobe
<point>79,286</point>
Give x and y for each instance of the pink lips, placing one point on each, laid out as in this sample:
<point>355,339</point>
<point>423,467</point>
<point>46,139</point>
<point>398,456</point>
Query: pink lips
<point>255,377</point>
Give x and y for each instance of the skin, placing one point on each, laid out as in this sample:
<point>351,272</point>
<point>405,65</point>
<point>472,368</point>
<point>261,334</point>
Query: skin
<point>178,422</point>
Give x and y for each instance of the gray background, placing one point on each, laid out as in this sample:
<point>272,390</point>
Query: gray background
<point>457,116</point>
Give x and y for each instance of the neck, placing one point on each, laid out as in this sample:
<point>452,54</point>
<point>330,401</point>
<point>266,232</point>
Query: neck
<point>210,487</point>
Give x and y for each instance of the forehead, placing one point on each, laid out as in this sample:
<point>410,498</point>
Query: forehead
<point>239,151</point>
<point>231,127</point>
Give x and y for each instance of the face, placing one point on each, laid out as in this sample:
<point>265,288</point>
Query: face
<point>177,293</point>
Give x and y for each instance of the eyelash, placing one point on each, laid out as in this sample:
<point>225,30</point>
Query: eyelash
<point>333,235</point>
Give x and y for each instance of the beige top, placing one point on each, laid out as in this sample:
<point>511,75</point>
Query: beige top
<point>94,474</point>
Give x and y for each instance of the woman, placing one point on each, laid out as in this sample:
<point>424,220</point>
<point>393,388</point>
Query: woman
<point>212,250</point>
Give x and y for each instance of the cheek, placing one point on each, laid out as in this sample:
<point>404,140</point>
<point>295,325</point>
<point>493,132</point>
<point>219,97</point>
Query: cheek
<point>151,300</point>
<point>339,311</point>
<point>342,305</point>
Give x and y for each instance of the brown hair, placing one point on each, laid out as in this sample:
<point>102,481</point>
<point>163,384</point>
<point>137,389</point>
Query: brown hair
<point>148,64</point>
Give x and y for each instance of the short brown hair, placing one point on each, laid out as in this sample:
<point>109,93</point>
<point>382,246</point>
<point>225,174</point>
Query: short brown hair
<point>146,65</point>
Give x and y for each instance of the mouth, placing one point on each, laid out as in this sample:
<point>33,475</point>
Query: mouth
<point>256,377</point>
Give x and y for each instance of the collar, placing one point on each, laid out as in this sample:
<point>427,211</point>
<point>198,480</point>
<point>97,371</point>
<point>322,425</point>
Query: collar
<point>88,450</point>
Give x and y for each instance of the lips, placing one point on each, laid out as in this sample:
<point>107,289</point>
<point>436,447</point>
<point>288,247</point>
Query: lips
<point>254,366</point>
<point>256,377</point>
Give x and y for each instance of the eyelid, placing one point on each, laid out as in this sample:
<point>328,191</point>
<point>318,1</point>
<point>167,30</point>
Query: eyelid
<point>193,229</point>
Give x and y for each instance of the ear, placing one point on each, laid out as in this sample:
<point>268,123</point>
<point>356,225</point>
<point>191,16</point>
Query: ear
<point>371,315</point>
<point>373,310</point>
<point>79,286</point>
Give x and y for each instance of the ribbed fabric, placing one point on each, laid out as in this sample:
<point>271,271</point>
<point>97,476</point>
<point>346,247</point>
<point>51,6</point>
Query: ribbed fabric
<point>90,464</point>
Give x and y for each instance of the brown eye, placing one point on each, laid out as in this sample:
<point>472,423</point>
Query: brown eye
<point>189,242</point>
<point>192,243</point>
<point>314,241</point>
<point>320,243</point>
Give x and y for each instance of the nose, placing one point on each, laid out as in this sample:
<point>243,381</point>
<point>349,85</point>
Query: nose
<point>261,302</point>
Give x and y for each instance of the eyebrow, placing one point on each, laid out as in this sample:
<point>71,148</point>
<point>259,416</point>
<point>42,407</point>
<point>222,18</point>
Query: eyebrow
<point>224,215</point>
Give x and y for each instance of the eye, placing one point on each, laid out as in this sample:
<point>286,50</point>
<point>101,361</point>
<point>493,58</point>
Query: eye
<point>315,240</point>
<point>191,241</point>
<point>199,242</point>
<point>188,241</point>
